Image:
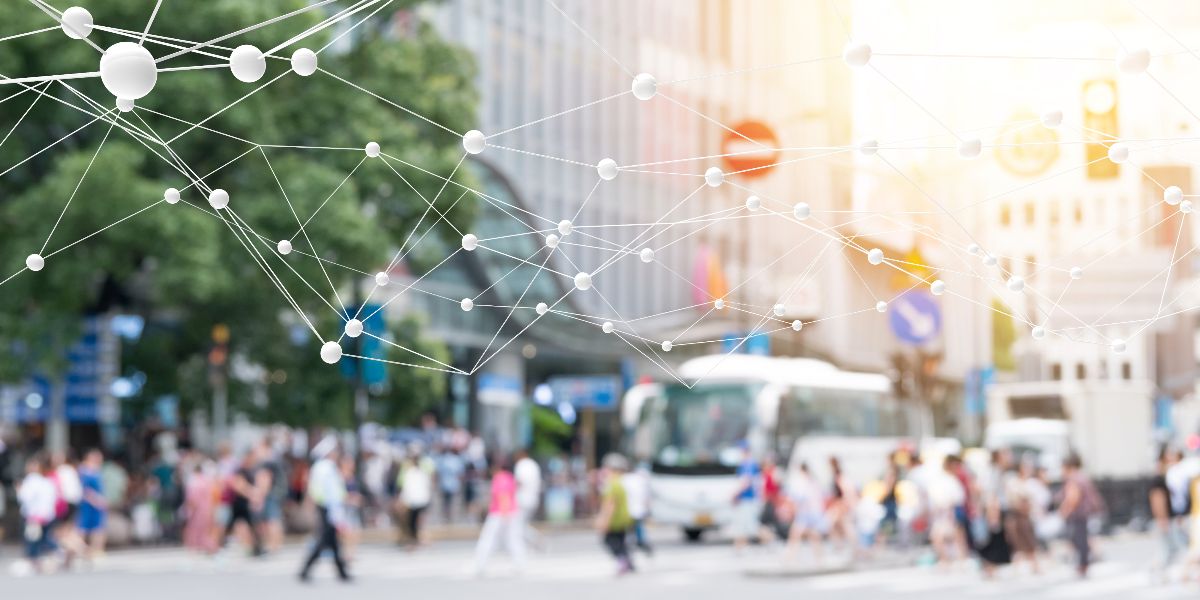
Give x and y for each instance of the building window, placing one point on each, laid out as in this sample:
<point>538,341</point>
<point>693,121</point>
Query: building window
<point>1056,371</point>
<point>1005,215</point>
<point>1126,371</point>
<point>1078,212</point>
<point>1030,213</point>
<point>1080,371</point>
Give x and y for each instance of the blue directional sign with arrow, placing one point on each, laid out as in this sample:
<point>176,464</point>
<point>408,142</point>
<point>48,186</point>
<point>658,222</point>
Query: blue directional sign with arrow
<point>915,317</point>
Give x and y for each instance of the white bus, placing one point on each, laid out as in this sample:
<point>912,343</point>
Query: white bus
<point>798,409</point>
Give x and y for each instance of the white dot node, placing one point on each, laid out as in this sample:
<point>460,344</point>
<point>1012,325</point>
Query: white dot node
<point>1134,62</point>
<point>219,198</point>
<point>644,86</point>
<point>77,22</point>
<point>583,281</point>
<point>801,211</point>
<point>565,227</point>
<point>938,287</point>
<point>171,195</point>
<point>124,104</point>
<point>647,255</point>
<point>382,279</point>
<point>1052,118</point>
<point>247,63</point>
<point>541,308</point>
<point>304,62</point>
<point>35,262</point>
<point>868,147</point>
<point>856,55</point>
<point>372,149</point>
<point>331,352</point>
<point>1185,207</point>
<point>881,306</point>
<point>989,260</point>
<point>473,141</point>
<point>778,310</point>
<point>1076,272</point>
<point>284,247</point>
<point>607,327</point>
<point>719,304</point>
<point>973,249</point>
<point>1118,153</point>
<point>467,304</point>
<point>1119,346</point>
<point>875,256</point>
<point>470,242</point>
<point>1015,283</point>
<point>667,345</point>
<point>797,325</point>
<point>1038,332</point>
<point>714,177</point>
<point>970,147</point>
<point>1173,195</point>
<point>753,203</point>
<point>607,169</point>
<point>354,328</point>
<point>127,70</point>
<point>552,241</point>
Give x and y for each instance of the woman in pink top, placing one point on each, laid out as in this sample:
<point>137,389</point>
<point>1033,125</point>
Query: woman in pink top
<point>200,507</point>
<point>503,519</point>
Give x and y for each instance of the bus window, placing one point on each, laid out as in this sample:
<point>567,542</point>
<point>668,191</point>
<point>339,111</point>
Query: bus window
<point>833,412</point>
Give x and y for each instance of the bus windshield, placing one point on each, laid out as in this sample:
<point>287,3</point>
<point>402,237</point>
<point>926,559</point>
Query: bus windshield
<point>698,430</point>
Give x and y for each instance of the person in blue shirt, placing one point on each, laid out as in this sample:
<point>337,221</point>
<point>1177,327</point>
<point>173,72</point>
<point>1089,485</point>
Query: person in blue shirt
<point>745,500</point>
<point>93,507</point>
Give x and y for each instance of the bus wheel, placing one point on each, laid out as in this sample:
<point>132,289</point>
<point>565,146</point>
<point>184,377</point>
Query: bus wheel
<point>692,535</point>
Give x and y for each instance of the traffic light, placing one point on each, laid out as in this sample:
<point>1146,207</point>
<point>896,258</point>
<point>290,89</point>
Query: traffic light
<point>1100,122</point>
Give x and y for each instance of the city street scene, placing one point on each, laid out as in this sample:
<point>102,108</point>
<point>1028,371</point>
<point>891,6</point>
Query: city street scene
<point>593,299</point>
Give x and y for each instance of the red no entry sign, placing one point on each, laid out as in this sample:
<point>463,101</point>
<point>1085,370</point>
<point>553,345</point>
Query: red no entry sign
<point>751,149</point>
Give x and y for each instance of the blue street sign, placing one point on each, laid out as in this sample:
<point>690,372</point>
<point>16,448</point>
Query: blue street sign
<point>915,317</point>
<point>374,371</point>
<point>758,344</point>
<point>598,392</point>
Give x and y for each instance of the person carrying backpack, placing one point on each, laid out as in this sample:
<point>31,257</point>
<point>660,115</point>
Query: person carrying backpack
<point>1080,502</point>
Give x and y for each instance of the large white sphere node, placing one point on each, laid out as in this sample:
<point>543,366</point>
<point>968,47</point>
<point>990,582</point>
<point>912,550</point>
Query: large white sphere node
<point>970,147</point>
<point>1173,195</point>
<point>973,249</point>
<point>1076,272</point>
<point>372,149</point>
<point>1134,62</point>
<point>124,104</point>
<point>607,169</point>
<point>304,62</point>
<point>714,177</point>
<point>473,141</point>
<point>719,304</point>
<point>1119,346</point>
<point>667,345</point>
<point>354,328</point>
<point>1118,153</point>
<point>856,55</point>
<point>607,327</point>
<point>797,325</point>
<point>564,227</point>
<point>35,262</point>
<point>1052,118</point>
<point>247,63</point>
<point>647,255</point>
<point>875,256</point>
<point>644,86</point>
<point>382,279</point>
<point>801,211</point>
<point>77,22</point>
<point>171,196</point>
<point>284,247</point>
<point>583,281</point>
<point>1185,207</point>
<point>938,287</point>
<point>753,203</point>
<point>778,310</point>
<point>541,308</point>
<point>1016,283</point>
<point>331,352</point>
<point>552,241</point>
<point>127,70</point>
<point>989,260</point>
<point>470,242</point>
<point>1038,332</point>
<point>467,304</point>
<point>868,147</point>
<point>219,198</point>
<point>881,306</point>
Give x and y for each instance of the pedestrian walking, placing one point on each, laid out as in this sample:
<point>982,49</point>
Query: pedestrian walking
<point>1159,498</point>
<point>1020,516</point>
<point>637,493</point>
<point>201,495</point>
<point>450,474</point>
<point>93,507</point>
<point>503,519</point>
<point>995,550</point>
<point>745,500</point>
<point>37,497</point>
<point>843,501</point>
<point>415,482</point>
<point>327,490</point>
<point>614,521</point>
<point>529,493</point>
<point>245,503</point>
<point>808,521</point>
<point>1080,502</point>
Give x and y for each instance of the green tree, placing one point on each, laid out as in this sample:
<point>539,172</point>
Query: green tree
<point>180,265</point>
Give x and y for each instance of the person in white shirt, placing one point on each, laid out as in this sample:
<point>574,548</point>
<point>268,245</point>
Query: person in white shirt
<point>529,492</point>
<point>37,497</point>
<point>637,498</point>
<point>416,490</point>
<point>327,490</point>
